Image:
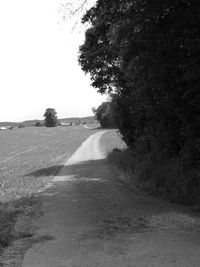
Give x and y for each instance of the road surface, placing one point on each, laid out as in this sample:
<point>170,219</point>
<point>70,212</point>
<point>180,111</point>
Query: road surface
<point>89,218</point>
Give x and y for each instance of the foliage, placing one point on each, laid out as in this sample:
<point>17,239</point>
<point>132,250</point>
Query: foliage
<point>8,218</point>
<point>104,115</point>
<point>168,179</point>
<point>39,124</point>
<point>147,54</point>
<point>51,119</point>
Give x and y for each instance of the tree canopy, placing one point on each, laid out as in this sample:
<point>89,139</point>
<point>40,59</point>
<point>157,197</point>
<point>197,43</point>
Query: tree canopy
<point>146,53</point>
<point>51,119</point>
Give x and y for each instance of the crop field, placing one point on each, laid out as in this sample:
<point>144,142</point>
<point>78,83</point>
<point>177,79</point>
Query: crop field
<point>30,157</point>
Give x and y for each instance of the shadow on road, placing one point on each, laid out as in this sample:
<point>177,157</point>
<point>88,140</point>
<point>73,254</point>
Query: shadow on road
<point>104,179</point>
<point>90,194</point>
<point>88,170</point>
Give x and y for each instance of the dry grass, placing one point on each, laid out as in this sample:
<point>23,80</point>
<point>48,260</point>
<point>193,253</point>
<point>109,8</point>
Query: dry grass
<point>8,217</point>
<point>12,225</point>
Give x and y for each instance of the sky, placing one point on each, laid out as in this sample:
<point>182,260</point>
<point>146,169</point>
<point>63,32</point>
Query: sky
<point>38,63</point>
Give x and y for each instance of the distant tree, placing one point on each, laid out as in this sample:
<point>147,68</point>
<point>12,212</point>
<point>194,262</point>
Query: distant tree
<point>39,124</point>
<point>51,119</point>
<point>104,115</point>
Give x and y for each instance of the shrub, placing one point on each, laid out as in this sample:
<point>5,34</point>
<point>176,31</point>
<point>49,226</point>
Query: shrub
<point>8,218</point>
<point>173,179</point>
<point>39,124</point>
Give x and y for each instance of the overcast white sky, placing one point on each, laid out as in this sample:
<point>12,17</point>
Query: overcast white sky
<point>38,63</point>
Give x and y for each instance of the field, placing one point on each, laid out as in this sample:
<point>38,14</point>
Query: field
<point>31,123</point>
<point>29,157</point>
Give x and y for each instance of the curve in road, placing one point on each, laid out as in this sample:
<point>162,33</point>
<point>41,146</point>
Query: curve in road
<point>88,218</point>
<point>89,150</point>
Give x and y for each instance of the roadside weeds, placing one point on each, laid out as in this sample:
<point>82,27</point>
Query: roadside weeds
<point>165,180</point>
<point>15,223</point>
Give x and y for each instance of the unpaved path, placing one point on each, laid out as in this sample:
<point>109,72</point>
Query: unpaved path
<point>90,219</point>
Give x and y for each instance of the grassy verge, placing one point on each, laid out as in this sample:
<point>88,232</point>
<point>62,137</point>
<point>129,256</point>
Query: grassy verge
<point>172,179</point>
<point>8,217</point>
<point>15,221</point>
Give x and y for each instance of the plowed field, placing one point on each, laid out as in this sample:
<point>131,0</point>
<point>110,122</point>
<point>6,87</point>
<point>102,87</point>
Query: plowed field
<point>30,157</point>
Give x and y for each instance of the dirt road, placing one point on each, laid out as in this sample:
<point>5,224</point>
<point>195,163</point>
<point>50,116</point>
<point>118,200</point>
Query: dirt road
<point>89,218</point>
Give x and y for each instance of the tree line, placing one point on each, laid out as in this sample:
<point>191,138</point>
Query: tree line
<point>146,55</point>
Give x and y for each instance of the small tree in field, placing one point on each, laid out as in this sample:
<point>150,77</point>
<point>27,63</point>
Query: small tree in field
<point>51,119</point>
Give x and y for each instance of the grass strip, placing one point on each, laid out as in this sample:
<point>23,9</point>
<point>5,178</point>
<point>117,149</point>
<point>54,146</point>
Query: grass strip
<point>8,218</point>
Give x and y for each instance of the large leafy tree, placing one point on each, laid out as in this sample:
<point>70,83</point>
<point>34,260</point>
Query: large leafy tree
<point>51,119</point>
<point>148,53</point>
